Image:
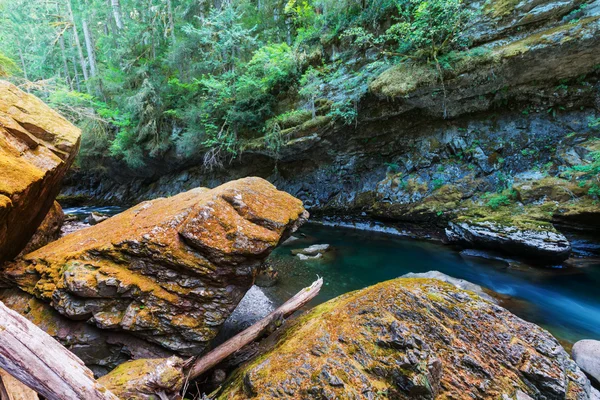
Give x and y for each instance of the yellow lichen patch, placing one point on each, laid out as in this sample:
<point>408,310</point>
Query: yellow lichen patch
<point>403,79</point>
<point>553,36</point>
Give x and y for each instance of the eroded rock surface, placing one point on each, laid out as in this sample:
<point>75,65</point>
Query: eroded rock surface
<point>37,147</point>
<point>168,270</point>
<point>412,338</point>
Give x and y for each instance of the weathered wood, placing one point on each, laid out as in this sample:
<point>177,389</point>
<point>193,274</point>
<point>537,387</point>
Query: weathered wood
<point>240,340</point>
<point>40,362</point>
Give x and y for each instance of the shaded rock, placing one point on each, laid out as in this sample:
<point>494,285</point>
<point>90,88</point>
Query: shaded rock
<point>169,270</point>
<point>290,240</point>
<point>100,350</point>
<point>37,147</point>
<point>546,245</point>
<point>146,379</point>
<point>411,338</point>
<point>48,231</point>
<point>267,277</point>
<point>459,283</point>
<point>586,354</point>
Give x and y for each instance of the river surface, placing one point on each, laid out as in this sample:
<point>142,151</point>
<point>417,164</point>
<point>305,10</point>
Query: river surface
<point>566,301</point>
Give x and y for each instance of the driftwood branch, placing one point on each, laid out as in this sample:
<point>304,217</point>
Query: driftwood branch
<point>213,358</point>
<point>33,357</point>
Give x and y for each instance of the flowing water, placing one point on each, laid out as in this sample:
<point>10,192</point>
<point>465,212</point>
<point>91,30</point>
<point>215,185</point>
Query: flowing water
<point>566,301</point>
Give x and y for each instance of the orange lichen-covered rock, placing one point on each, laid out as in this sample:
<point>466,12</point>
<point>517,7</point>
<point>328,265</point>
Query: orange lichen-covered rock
<point>411,338</point>
<point>37,147</point>
<point>169,270</point>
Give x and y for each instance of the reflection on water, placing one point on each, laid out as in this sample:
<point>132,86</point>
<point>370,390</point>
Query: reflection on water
<point>565,301</point>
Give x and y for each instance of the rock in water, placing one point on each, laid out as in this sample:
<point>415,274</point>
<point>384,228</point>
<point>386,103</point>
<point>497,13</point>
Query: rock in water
<point>37,147</point>
<point>169,270</point>
<point>544,245</point>
<point>586,354</point>
<point>411,338</point>
<point>48,231</point>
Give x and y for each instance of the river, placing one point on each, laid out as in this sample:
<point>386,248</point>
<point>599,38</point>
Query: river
<point>565,301</point>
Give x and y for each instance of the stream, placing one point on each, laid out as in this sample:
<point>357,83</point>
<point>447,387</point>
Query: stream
<point>565,301</point>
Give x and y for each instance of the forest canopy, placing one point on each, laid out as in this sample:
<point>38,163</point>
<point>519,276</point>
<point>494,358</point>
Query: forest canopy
<point>204,80</point>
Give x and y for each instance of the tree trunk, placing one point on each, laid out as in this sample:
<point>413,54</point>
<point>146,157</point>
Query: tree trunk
<point>76,76</point>
<point>171,20</point>
<point>61,42</point>
<point>240,340</point>
<point>89,44</point>
<point>116,9</point>
<point>23,64</point>
<point>78,44</point>
<point>40,362</point>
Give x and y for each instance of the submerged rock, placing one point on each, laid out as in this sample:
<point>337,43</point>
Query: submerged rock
<point>411,338</point>
<point>37,147</point>
<point>169,270</point>
<point>586,354</point>
<point>313,250</point>
<point>547,245</point>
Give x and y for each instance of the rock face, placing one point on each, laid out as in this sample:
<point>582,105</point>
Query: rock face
<point>169,270</point>
<point>99,349</point>
<point>37,147</point>
<point>411,338</point>
<point>586,354</point>
<point>547,245</point>
<point>48,231</point>
<point>519,104</point>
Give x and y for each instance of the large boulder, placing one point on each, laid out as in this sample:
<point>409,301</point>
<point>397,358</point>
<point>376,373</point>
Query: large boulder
<point>411,338</point>
<point>538,243</point>
<point>169,270</point>
<point>37,147</point>
<point>586,354</point>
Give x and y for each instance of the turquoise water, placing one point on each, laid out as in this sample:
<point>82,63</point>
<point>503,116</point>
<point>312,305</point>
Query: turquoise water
<point>566,301</point>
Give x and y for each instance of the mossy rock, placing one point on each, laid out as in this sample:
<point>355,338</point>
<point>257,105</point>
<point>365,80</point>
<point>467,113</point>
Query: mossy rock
<point>410,338</point>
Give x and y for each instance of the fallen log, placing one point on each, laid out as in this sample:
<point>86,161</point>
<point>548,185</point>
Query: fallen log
<point>142,382</point>
<point>37,360</point>
<point>214,357</point>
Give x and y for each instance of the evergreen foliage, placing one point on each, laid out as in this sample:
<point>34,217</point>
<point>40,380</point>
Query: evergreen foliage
<point>198,81</point>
